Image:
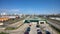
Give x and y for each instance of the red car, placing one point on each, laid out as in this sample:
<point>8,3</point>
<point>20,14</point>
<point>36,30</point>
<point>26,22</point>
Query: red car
<point>30,25</point>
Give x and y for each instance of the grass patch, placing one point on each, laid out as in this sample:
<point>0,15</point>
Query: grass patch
<point>13,28</point>
<point>11,21</point>
<point>3,33</point>
<point>10,28</point>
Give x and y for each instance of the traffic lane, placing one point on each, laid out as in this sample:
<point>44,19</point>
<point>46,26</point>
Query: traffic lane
<point>27,30</point>
<point>20,30</point>
<point>33,29</point>
<point>39,31</point>
<point>49,28</point>
<point>54,24</point>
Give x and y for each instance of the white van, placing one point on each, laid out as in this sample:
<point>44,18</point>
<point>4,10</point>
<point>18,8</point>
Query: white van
<point>42,24</point>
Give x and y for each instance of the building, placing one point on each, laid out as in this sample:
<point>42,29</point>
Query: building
<point>5,18</point>
<point>2,20</point>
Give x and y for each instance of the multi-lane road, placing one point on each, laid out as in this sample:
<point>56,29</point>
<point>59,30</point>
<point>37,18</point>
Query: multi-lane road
<point>33,29</point>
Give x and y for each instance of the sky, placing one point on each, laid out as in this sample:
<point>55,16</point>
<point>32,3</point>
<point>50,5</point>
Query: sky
<point>30,6</point>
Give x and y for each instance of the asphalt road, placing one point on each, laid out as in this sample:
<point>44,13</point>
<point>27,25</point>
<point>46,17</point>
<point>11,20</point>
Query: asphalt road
<point>33,29</point>
<point>48,28</point>
<point>54,24</point>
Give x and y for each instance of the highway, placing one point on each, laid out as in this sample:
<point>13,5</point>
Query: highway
<point>33,28</point>
<point>50,29</point>
<point>54,24</point>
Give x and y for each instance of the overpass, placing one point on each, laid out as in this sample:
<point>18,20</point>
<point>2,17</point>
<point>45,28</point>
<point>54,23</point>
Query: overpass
<point>36,19</point>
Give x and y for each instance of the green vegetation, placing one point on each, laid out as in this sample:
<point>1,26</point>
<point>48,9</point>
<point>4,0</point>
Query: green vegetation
<point>10,28</point>
<point>4,33</point>
<point>13,28</point>
<point>14,21</point>
<point>19,26</point>
<point>11,21</point>
<point>59,32</point>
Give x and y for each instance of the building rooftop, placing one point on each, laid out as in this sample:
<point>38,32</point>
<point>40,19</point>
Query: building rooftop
<point>4,19</point>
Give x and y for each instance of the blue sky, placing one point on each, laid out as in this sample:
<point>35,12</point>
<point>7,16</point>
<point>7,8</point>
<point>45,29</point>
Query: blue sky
<point>30,6</point>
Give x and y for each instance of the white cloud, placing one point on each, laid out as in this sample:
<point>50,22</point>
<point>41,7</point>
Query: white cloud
<point>10,10</point>
<point>15,10</point>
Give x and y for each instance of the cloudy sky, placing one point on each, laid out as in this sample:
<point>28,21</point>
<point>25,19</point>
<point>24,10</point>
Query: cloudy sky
<point>30,6</point>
